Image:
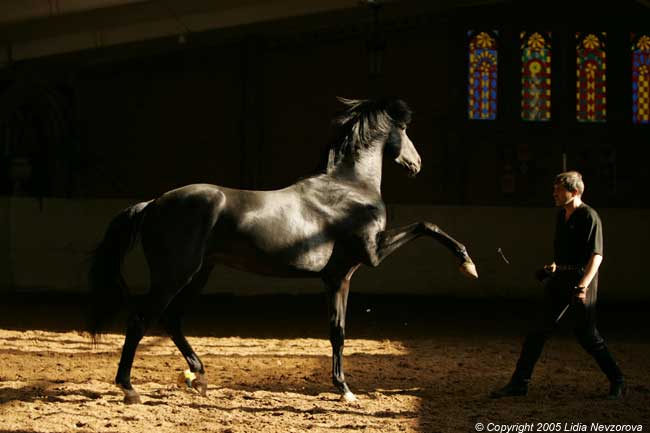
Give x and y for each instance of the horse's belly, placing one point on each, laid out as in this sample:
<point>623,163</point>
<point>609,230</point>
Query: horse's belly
<point>300,258</point>
<point>268,265</point>
<point>297,243</point>
<point>312,256</point>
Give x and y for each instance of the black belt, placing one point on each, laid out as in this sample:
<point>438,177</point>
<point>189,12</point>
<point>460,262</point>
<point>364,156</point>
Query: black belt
<point>563,268</point>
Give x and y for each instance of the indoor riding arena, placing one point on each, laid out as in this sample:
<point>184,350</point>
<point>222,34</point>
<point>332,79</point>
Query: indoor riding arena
<point>325,216</point>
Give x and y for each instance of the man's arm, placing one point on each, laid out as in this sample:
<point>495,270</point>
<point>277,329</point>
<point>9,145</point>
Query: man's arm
<point>590,272</point>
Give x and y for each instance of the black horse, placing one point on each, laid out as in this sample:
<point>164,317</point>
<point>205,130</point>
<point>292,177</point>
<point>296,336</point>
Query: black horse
<point>324,226</point>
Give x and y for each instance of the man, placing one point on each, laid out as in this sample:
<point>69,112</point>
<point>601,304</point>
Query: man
<point>572,279</point>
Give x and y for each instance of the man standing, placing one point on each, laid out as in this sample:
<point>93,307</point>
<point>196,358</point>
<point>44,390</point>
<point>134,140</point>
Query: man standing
<point>572,279</point>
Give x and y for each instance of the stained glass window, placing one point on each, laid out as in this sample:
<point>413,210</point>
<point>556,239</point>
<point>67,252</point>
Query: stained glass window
<point>591,67</point>
<point>640,78</point>
<point>482,80</point>
<point>535,76</point>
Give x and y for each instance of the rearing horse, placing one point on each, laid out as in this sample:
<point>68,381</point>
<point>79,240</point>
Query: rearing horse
<point>324,226</point>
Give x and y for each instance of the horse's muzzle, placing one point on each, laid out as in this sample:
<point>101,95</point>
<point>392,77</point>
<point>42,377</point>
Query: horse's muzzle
<point>413,169</point>
<point>412,166</point>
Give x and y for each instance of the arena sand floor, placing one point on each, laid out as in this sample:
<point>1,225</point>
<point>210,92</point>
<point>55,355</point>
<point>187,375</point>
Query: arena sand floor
<point>416,364</point>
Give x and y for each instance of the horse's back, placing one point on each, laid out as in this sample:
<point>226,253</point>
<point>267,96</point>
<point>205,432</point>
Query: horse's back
<point>260,231</point>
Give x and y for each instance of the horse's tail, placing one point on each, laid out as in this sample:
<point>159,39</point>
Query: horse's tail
<point>108,290</point>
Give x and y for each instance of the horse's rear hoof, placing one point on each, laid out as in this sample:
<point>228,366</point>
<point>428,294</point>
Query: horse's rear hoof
<point>201,385</point>
<point>131,396</point>
<point>469,269</point>
<point>348,397</point>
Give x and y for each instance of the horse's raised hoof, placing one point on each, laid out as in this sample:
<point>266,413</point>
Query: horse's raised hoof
<point>348,397</point>
<point>468,268</point>
<point>200,384</point>
<point>131,396</point>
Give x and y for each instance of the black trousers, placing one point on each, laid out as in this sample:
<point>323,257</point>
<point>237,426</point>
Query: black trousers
<point>558,292</point>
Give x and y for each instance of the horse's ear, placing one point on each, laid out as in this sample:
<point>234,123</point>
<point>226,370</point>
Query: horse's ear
<point>399,111</point>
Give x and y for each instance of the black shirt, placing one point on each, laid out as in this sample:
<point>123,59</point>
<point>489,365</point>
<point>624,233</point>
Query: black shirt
<point>577,239</point>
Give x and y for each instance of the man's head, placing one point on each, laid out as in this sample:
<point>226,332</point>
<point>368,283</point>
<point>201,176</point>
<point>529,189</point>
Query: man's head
<point>567,187</point>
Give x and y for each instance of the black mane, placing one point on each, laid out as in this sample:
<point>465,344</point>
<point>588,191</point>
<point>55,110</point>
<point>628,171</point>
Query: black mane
<point>362,122</point>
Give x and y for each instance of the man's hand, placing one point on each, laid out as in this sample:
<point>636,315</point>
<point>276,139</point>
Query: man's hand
<point>544,273</point>
<point>580,294</point>
<point>550,268</point>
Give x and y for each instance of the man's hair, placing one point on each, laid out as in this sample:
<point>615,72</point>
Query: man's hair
<point>571,181</point>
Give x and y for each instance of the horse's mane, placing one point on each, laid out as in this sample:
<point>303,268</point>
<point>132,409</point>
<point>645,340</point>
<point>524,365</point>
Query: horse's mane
<point>361,123</point>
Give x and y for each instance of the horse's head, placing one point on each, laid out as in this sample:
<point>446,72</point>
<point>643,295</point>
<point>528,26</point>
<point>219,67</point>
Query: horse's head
<point>401,149</point>
<point>368,123</point>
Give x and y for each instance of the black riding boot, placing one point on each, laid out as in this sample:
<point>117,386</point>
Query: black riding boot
<point>608,365</point>
<point>511,389</point>
<point>530,353</point>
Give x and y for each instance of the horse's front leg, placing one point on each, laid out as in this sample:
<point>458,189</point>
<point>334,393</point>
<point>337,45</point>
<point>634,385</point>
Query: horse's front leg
<point>337,292</point>
<point>387,241</point>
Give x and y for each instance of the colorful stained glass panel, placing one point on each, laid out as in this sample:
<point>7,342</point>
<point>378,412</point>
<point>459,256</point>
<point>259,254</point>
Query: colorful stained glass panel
<point>535,76</point>
<point>482,79</point>
<point>591,86</point>
<point>640,78</point>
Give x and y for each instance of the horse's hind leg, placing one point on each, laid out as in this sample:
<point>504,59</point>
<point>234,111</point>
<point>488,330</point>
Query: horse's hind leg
<point>166,282</point>
<point>138,324</point>
<point>172,322</point>
<point>174,241</point>
<point>337,292</point>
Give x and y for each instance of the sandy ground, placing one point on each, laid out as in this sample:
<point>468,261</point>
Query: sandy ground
<point>412,372</point>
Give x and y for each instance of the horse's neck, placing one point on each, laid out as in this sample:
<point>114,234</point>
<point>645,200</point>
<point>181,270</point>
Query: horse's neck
<point>365,168</point>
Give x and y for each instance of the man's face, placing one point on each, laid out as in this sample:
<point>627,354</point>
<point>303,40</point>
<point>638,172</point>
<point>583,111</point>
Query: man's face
<point>561,196</point>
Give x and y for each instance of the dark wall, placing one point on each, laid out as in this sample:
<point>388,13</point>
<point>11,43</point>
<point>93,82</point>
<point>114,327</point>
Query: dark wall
<point>156,123</point>
<point>251,108</point>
